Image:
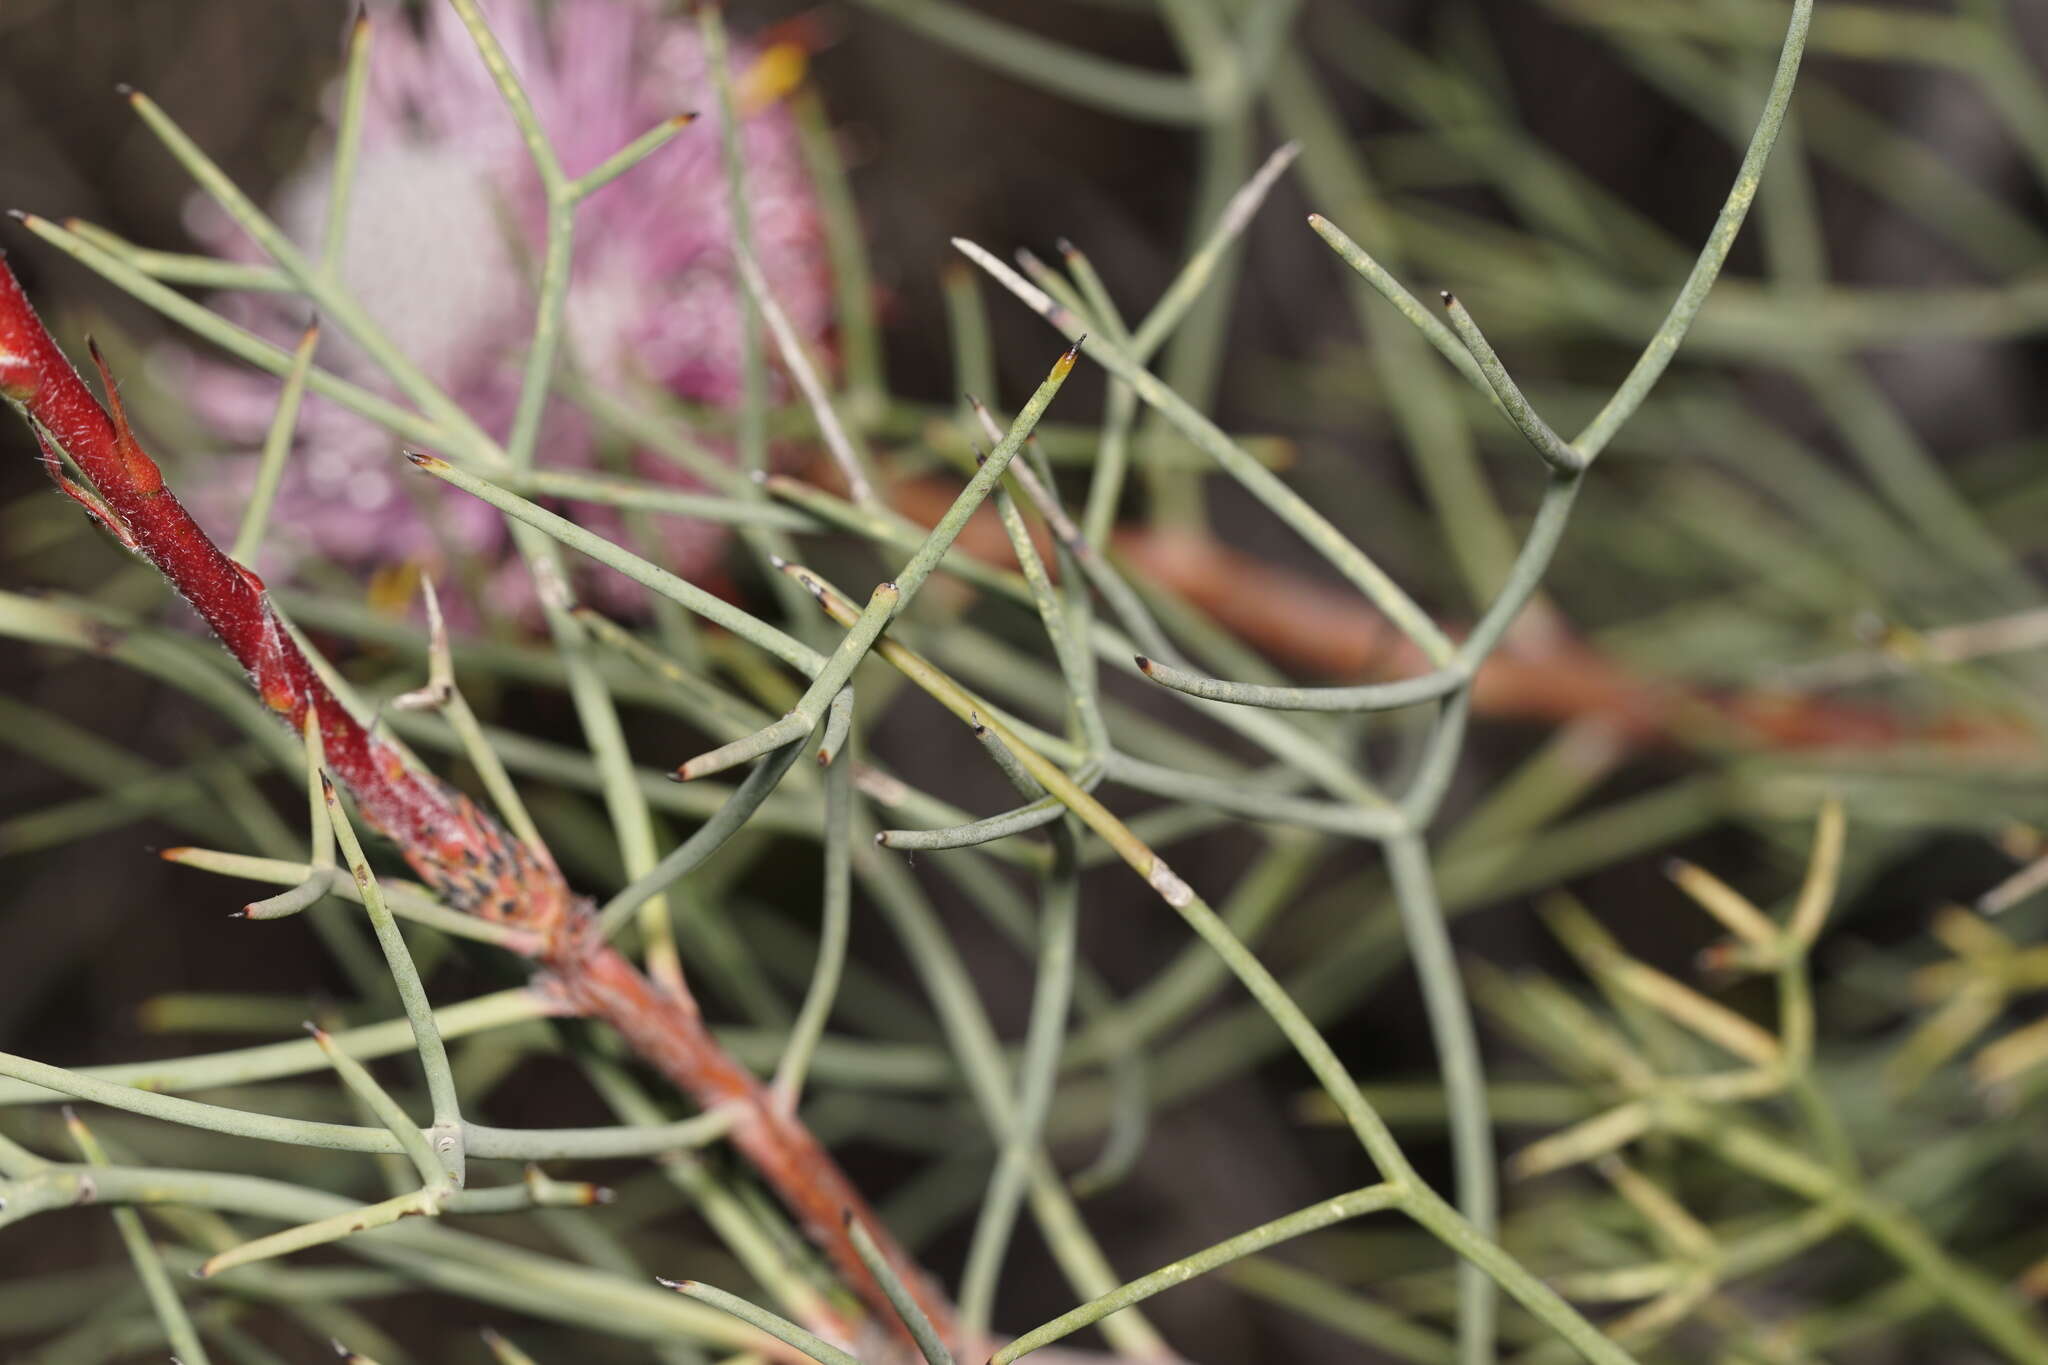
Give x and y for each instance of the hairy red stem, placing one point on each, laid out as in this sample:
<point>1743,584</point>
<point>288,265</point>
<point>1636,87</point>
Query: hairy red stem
<point>456,847</point>
<point>461,851</point>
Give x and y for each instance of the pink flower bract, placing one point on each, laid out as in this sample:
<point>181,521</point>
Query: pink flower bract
<point>443,238</point>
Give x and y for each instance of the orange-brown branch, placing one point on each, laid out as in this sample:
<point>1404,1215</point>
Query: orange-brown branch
<point>667,1032</point>
<point>1543,672</point>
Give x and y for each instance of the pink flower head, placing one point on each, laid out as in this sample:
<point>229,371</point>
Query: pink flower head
<point>443,239</point>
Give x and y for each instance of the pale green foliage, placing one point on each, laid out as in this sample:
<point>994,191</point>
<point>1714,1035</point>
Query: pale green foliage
<point>1649,1066</point>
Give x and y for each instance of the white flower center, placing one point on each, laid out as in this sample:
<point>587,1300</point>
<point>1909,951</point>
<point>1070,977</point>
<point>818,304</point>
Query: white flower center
<point>425,249</point>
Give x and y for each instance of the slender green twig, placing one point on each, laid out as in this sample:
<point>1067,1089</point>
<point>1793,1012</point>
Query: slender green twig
<point>656,497</point>
<point>852,279</point>
<point>713,609</point>
<point>277,445</point>
<point>348,144</point>
<point>1559,455</point>
<point>1372,1199</point>
<point>321,878</point>
<point>1387,696</point>
<point>41,1081</point>
<point>921,564</point>
<point>442,695</point>
<point>788,1333</point>
<point>1052,998</point>
<point>419,1013</point>
<point>148,1261</point>
<point>1450,1023</point>
<point>1083,76</point>
<point>433,1174</point>
<point>1662,346</point>
<point>402,899</point>
<point>628,156</point>
<point>754,398</point>
<point>929,1343</point>
<point>177,267</point>
<point>810,709</point>
<point>1284,502</point>
<point>475,1267</point>
<point>504,1351</point>
<point>1202,263</point>
<point>842,445</point>
<point>834,931</point>
<point>707,839</point>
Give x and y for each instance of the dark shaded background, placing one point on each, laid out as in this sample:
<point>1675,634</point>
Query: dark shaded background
<point>939,147</point>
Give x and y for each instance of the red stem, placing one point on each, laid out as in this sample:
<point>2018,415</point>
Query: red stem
<point>459,849</point>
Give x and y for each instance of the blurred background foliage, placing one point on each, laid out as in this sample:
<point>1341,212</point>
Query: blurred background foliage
<point>1809,565</point>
